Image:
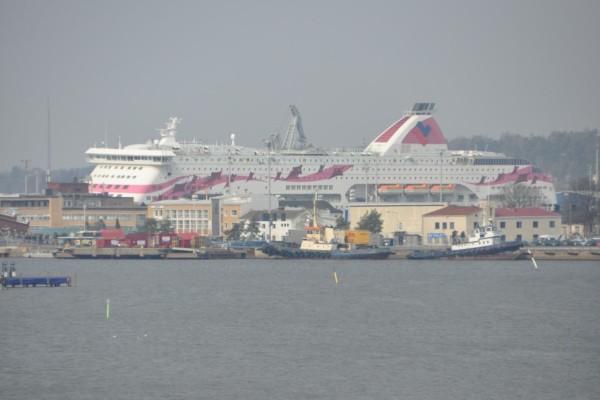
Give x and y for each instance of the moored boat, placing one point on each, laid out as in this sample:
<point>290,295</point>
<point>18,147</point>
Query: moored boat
<point>484,241</point>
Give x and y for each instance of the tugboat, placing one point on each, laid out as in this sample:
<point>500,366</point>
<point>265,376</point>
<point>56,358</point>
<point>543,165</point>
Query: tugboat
<point>319,242</point>
<point>484,241</point>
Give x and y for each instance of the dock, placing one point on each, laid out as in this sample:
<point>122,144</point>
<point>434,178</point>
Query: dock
<point>111,252</point>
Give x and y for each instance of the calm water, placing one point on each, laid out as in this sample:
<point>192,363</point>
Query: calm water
<point>283,330</point>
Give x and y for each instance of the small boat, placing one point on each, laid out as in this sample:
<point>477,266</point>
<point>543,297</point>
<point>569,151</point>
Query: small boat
<point>484,241</point>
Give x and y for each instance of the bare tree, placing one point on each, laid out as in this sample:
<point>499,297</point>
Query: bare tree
<point>521,195</point>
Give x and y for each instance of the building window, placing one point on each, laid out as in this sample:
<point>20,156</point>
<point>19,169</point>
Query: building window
<point>502,224</point>
<point>451,225</point>
<point>444,225</point>
<point>437,225</point>
<point>519,238</point>
<point>519,224</point>
<point>535,224</point>
<point>552,224</point>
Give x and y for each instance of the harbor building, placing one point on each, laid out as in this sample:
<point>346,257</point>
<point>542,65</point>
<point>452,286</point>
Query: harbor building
<point>397,217</point>
<point>449,224</point>
<point>527,224</point>
<point>283,222</point>
<point>212,217</point>
<point>72,212</point>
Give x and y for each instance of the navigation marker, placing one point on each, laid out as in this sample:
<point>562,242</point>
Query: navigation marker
<point>107,309</point>
<point>532,259</point>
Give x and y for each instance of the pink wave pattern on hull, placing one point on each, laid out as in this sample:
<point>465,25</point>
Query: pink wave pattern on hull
<point>518,175</point>
<point>189,184</point>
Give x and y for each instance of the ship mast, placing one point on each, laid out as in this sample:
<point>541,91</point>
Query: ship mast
<point>315,211</point>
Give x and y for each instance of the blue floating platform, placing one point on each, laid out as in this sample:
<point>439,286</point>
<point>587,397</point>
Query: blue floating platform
<point>34,281</point>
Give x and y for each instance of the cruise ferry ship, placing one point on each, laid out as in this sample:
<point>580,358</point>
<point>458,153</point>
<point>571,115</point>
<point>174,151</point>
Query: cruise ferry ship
<point>409,162</point>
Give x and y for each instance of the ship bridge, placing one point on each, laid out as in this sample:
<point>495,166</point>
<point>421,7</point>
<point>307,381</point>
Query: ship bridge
<point>104,155</point>
<point>416,132</point>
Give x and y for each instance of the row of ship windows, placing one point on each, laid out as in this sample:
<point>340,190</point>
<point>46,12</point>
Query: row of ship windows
<point>275,169</point>
<point>308,170</point>
<point>114,176</point>
<point>119,167</point>
<point>102,186</point>
<point>313,160</point>
<point>308,187</point>
<point>128,158</point>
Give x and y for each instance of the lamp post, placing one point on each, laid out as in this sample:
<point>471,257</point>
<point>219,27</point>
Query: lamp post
<point>84,219</point>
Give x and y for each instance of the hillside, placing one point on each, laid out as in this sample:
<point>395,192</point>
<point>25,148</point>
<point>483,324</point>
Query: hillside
<point>565,155</point>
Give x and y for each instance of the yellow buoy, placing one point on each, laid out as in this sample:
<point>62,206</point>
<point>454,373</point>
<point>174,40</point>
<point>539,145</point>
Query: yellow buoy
<point>335,277</point>
<point>107,309</point>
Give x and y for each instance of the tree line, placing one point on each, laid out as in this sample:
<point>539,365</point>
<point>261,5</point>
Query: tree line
<point>567,156</point>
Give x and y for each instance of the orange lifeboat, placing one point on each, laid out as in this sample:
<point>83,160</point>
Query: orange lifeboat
<point>444,188</point>
<point>390,189</point>
<point>420,188</point>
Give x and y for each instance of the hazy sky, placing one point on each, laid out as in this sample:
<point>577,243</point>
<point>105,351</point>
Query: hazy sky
<point>351,67</point>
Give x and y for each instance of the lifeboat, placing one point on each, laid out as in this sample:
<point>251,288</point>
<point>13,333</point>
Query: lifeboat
<point>390,189</point>
<point>414,189</point>
<point>444,188</point>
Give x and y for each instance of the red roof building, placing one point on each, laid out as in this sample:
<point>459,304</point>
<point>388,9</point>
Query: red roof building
<point>453,210</point>
<point>528,223</point>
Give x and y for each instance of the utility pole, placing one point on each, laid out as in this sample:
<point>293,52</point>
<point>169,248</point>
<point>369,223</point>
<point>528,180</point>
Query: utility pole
<point>366,167</point>
<point>48,148</point>
<point>269,145</point>
<point>26,164</point>
<point>597,172</point>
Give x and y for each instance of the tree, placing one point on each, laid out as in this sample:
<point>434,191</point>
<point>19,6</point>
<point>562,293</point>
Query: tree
<point>235,232</point>
<point>165,226</point>
<point>341,223</point>
<point>251,230</point>
<point>521,195</point>
<point>150,226</point>
<point>96,226</point>
<point>371,222</point>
